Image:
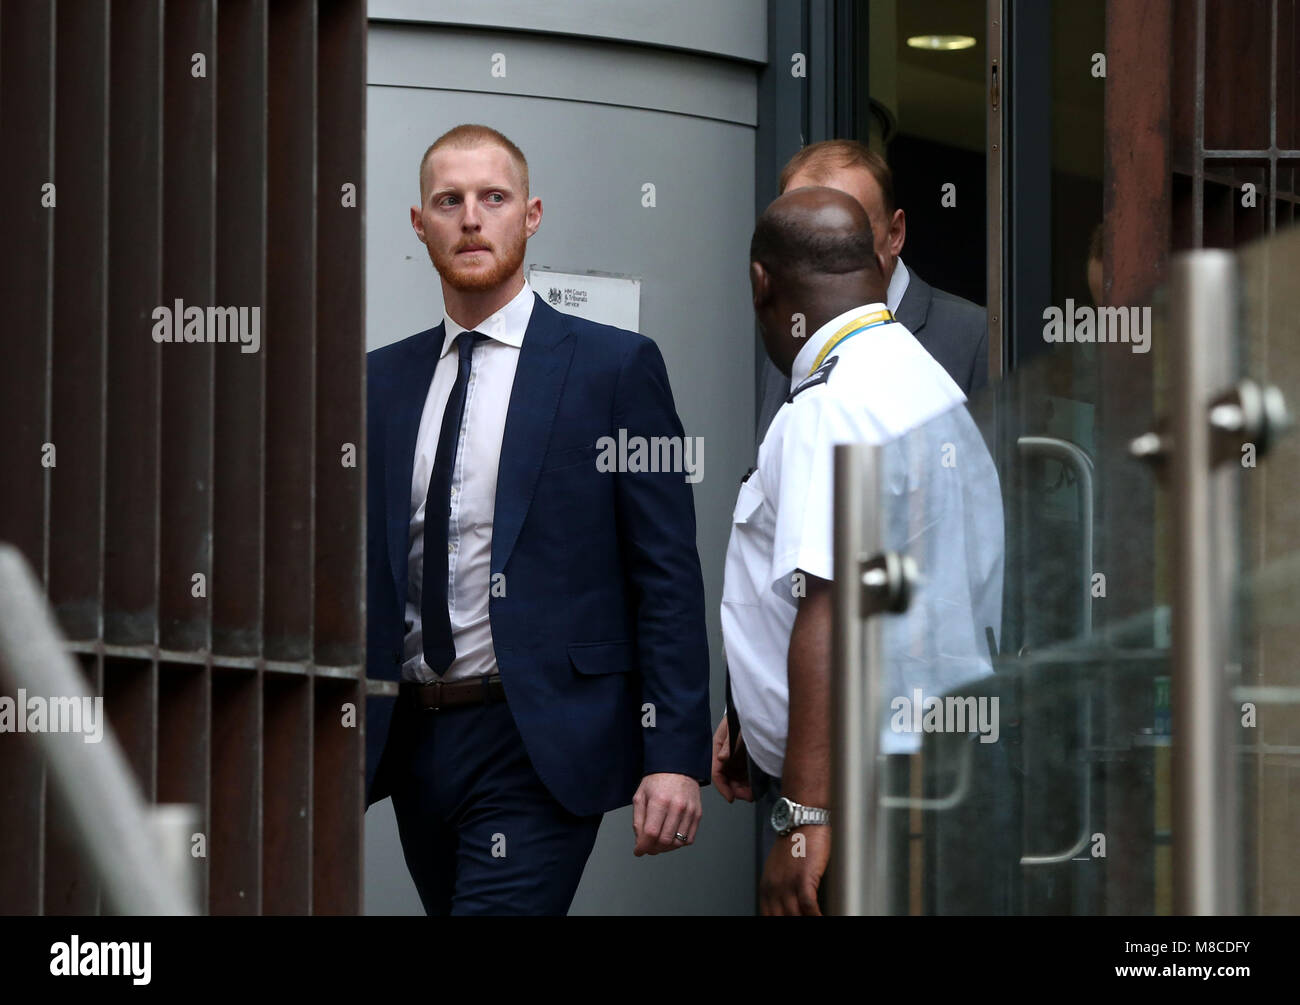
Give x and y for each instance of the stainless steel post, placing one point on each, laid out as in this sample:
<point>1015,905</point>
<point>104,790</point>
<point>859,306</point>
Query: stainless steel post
<point>1203,293</point>
<point>856,656</point>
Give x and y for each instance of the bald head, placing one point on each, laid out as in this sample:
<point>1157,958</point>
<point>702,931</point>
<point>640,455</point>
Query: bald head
<point>810,233</point>
<point>812,258</point>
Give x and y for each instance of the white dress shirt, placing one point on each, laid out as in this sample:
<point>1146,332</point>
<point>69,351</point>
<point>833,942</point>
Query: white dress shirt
<point>884,388</point>
<point>897,285</point>
<point>473,490</point>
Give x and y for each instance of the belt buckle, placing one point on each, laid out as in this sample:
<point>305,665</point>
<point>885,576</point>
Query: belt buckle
<point>421,689</point>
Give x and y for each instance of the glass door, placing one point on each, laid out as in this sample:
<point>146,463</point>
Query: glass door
<point>1042,745</point>
<point>1021,748</point>
<point>1265,582</point>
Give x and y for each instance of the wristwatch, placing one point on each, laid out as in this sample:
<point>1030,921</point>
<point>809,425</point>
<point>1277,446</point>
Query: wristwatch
<point>787,815</point>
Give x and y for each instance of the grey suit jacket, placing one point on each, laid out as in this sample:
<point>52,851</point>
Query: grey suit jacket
<point>952,330</point>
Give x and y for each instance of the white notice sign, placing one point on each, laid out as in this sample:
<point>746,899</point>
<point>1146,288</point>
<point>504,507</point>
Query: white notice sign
<point>600,297</point>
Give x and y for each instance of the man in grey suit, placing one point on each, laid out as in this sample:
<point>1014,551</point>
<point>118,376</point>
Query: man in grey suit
<point>954,331</point>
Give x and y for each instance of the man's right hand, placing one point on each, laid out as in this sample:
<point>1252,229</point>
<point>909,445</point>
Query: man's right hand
<point>731,779</point>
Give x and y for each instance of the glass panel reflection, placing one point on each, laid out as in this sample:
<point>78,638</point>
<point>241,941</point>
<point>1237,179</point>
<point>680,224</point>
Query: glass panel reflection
<point>1037,780</point>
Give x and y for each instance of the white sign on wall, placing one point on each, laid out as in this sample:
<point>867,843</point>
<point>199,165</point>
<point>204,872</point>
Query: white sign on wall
<point>598,296</point>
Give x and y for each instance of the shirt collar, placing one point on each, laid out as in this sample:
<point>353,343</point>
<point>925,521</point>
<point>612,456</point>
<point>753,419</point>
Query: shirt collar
<point>803,362</point>
<point>897,285</point>
<point>506,325</point>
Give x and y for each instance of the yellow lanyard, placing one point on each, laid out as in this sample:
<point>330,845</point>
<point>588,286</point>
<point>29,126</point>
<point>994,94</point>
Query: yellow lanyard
<point>849,330</point>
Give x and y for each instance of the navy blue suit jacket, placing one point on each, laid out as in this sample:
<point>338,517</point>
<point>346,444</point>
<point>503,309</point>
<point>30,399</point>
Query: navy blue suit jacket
<point>603,606</point>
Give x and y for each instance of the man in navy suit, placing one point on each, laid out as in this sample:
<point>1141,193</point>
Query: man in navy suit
<point>555,665</point>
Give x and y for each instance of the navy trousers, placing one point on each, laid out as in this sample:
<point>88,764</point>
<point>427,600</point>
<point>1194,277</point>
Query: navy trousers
<point>480,831</point>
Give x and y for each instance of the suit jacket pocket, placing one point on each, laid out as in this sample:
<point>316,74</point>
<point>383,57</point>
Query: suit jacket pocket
<point>592,658</point>
<point>567,457</point>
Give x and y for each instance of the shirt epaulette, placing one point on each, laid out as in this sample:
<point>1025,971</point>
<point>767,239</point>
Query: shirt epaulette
<point>818,376</point>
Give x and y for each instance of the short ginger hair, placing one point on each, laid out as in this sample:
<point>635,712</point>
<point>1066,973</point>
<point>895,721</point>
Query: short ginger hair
<point>818,160</point>
<point>467,136</point>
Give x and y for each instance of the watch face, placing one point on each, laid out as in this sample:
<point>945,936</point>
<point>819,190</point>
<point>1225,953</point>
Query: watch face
<point>782,814</point>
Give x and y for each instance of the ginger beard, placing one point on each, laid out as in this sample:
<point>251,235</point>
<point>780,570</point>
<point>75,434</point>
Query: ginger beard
<point>465,274</point>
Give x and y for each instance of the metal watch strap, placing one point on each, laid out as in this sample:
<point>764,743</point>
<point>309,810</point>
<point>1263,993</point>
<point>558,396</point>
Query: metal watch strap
<point>809,815</point>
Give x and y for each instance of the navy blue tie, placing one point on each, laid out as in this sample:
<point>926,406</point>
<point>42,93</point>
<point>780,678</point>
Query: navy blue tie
<point>439,648</point>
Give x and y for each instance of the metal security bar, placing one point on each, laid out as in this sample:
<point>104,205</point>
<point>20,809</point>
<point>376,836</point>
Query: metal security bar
<point>181,426</point>
<point>1235,120</point>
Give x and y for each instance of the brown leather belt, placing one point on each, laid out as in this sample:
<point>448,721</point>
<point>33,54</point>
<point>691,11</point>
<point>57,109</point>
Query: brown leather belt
<point>438,695</point>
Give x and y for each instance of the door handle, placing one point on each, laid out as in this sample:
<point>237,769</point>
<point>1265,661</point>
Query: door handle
<point>1085,801</point>
<point>1078,461</point>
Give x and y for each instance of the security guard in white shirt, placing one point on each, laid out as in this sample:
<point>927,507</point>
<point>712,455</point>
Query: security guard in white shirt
<point>859,377</point>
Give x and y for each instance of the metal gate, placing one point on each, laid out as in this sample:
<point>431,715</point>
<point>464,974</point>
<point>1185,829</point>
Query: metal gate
<point>193,505</point>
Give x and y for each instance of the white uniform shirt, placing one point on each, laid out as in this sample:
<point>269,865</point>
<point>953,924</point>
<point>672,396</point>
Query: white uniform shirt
<point>884,388</point>
<point>473,490</point>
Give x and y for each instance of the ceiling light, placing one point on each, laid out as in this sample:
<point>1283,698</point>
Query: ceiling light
<point>941,43</point>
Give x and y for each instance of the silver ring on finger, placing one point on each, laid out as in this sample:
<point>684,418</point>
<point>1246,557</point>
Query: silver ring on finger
<point>680,837</point>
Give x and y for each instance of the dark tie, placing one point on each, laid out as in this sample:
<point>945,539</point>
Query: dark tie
<point>439,648</point>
